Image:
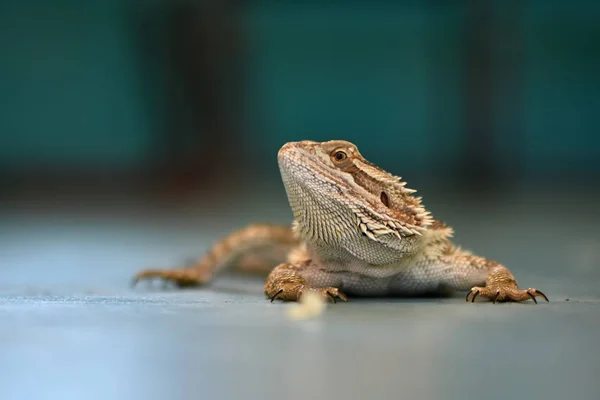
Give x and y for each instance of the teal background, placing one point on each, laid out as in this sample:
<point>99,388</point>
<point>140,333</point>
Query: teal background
<point>70,86</point>
<point>77,88</point>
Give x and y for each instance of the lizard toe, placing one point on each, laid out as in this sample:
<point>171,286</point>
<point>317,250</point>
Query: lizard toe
<point>505,293</point>
<point>333,294</point>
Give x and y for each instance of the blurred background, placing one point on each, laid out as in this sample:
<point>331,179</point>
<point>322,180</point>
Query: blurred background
<point>134,133</point>
<point>174,98</point>
<point>150,109</point>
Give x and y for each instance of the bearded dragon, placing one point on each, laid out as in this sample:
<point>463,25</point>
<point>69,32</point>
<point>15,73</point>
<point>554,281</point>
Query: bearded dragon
<point>357,231</point>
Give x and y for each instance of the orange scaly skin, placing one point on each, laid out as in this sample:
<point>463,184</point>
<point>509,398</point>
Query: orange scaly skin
<point>357,228</point>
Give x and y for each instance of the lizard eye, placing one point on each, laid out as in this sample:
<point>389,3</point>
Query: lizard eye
<point>339,155</point>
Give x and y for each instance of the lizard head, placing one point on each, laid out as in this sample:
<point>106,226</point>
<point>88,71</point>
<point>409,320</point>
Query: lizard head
<point>343,200</point>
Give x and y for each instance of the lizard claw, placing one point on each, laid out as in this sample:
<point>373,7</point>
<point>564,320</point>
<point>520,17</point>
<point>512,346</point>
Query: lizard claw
<point>475,292</point>
<point>532,297</point>
<point>332,293</point>
<point>276,294</point>
<point>496,296</point>
<point>532,292</point>
<point>329,293</point>
<point>295,293</point>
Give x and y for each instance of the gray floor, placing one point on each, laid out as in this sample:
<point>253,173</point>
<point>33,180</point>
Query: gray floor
<point>72,329</point>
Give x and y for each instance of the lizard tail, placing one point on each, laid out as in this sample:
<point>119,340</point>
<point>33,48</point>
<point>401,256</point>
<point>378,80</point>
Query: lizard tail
<point>253,249</point>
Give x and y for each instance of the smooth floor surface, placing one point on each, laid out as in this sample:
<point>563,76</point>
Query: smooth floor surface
<point>71,328</point>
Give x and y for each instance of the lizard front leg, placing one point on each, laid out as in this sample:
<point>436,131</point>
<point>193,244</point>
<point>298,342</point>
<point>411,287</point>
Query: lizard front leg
<point>455,269</point>
<point>288,282</point>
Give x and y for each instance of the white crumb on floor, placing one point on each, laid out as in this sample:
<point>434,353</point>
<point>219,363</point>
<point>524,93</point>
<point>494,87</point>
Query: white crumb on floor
<point>310,305</point>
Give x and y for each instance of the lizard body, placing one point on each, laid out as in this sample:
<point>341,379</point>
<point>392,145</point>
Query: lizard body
<point>357,229</point>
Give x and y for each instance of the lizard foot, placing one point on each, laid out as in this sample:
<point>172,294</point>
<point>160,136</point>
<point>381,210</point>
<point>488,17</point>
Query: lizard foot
<point>181,277</point>
<point>285,282</point>
<point>504,293</point>
<point>293,293</point>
